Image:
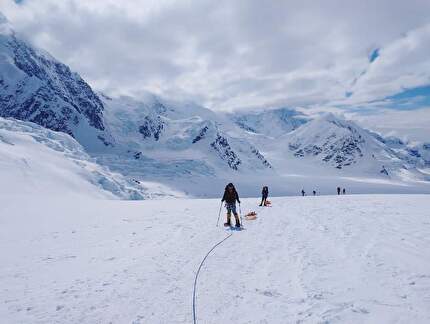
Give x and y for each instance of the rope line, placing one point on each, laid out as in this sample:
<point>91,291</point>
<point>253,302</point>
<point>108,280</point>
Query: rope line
<point>197,275</point>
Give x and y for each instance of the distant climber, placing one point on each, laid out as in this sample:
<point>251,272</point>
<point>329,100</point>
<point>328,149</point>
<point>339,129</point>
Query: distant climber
<point>303,192</point>
<point>230,197</point>
<point>264,195</point>
<point>343,191</point>
<point>314,192</point>
<point>338,190</point>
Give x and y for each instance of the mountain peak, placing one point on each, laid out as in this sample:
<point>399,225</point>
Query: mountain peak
<point>332,139</point>
<point>40,89</point>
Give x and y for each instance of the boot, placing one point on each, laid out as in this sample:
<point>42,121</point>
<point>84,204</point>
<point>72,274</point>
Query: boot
<point>228,223</point>
<point>237,220</point>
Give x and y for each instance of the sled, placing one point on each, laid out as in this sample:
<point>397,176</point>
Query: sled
<point>251,216</point>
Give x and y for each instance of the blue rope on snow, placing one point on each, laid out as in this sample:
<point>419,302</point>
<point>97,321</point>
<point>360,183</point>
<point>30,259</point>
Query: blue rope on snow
<point>197,275</point>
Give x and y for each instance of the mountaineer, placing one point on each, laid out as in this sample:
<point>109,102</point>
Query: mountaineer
<point>230,197</point>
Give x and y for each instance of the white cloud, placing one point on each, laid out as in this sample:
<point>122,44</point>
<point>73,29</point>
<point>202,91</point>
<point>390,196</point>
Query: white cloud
<point>230,54</point>
<point>407,125</point>
<point>404,63</point>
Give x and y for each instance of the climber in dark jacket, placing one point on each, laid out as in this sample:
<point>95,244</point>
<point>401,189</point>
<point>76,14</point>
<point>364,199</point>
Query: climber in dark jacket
<point>230,197</point>
<point>264,195</point>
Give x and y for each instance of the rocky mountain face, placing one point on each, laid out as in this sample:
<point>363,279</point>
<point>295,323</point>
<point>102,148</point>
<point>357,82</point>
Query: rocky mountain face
<point>422,152</point>
<point>333,141</point>
<point>36,87</point>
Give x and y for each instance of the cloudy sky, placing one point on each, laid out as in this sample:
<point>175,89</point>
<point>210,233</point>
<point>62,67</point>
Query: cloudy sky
<point>356,56</point>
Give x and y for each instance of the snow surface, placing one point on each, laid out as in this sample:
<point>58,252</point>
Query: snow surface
<point>323,259</point>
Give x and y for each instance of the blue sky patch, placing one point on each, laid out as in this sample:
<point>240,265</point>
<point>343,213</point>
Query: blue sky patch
<point>413,98</point>
<point>408,99</point>
<point>374,55</point>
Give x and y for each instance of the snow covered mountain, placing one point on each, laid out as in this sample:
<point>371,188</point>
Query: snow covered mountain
<point>330,141</point>
<point>192,136</point>
<point>270,122</point>
<point>417,154</point>
<point>38,161</point>
<point>334,141</point>
<point>36,87</point>
<point>342,144</point>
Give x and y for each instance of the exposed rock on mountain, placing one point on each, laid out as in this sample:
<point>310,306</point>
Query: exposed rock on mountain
<point>36,87</point>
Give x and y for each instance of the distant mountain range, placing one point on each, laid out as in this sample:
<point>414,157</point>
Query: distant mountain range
<point>172,142</point>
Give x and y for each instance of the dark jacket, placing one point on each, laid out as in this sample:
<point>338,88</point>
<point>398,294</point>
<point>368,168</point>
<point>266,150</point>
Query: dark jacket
<point>265,192</point>
<point>230,197</point>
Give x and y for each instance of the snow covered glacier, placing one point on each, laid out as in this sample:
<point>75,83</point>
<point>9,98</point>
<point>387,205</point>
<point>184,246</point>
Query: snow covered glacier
<point>328,259</point>
<point>40,162</point>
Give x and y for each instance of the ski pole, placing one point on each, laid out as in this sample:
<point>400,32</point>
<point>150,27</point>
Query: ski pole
<point>240,213</point>
<point>219,214</point>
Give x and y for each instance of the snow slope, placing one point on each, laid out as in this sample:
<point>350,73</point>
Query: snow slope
<point>327,259</point>
<point>41,162</point>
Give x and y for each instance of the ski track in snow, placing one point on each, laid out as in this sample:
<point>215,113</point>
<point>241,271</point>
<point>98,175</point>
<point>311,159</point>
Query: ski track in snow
<point>326,259</point>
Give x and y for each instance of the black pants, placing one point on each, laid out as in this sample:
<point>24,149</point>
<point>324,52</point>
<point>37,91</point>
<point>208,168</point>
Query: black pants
<point>263,200</point>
